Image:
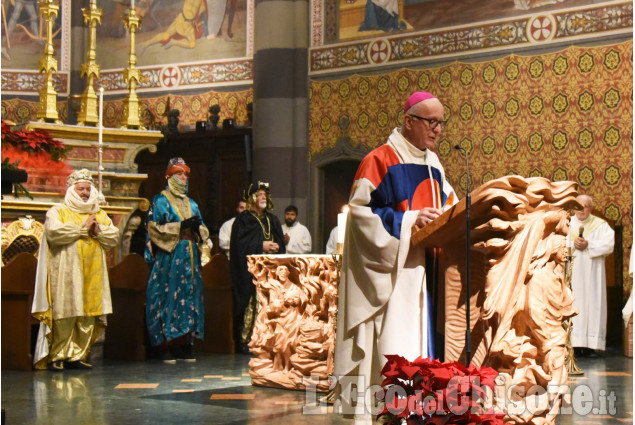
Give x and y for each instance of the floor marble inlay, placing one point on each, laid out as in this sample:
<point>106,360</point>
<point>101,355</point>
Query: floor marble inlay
<point>135,386</point>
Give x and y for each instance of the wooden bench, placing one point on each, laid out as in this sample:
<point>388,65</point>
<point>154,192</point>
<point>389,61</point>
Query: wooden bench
<point>125,333</point>
<point>218,300</point>
<point>18,283</point>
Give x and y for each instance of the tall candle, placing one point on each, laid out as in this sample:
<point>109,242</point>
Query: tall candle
<point>341,224</point>
<point>131,4</point>
<point>101,114</point>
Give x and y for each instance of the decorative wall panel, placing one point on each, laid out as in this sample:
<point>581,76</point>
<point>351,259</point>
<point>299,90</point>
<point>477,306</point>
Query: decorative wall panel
<point>566,115</point>
<point>193,108</point>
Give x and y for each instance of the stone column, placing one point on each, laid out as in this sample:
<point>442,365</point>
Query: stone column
<point>281,40</point>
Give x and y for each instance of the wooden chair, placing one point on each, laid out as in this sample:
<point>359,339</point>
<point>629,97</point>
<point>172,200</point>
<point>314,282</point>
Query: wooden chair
<point>18,283</point>
<point>218,299</point>
<point>125,333</point>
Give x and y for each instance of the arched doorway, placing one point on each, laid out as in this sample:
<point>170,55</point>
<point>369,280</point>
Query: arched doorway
<point>338,178</point>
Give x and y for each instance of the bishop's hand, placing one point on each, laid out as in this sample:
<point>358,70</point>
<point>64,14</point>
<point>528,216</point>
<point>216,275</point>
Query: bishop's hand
<point>426,215</point>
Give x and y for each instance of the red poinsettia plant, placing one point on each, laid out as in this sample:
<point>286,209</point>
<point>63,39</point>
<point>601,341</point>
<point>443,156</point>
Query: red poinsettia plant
<point>33,142</point>
<point>426,391</point>
<point>38,153</point>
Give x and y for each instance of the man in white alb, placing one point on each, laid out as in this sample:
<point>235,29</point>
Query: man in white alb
<point>225,232</point>
<point>297,238</point>
<point>593,239</point>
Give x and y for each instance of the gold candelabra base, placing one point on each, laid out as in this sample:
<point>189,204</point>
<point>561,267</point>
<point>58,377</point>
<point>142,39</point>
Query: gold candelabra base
<point>89,106</point>
<point>89,113</point>
<point>48,65</point>
<point>131,75</point>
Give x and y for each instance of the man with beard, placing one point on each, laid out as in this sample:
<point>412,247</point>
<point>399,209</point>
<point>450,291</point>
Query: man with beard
<point>174,305</point>
<point>72,292</point>
<point>255,231</point>
<point>297,238</point>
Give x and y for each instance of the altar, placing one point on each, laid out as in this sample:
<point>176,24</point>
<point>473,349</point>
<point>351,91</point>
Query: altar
<point>294,331</point>
<point>120,179</point>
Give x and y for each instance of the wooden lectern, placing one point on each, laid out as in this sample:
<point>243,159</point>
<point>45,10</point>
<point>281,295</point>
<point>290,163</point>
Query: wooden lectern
<point>519,298</point>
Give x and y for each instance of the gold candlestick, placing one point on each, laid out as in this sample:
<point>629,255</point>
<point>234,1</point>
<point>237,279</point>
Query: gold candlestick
<point>131,75</point>
<point>48,65</point>
<point>90,69</point>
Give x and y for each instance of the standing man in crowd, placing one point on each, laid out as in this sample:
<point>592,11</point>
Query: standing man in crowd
<point>225,232</point>
<point>593,239</point>
<point>383,306</point>
<point>297,238</point>
<point>174,304</point>
<point>72,292</point>
<point>255,231</point>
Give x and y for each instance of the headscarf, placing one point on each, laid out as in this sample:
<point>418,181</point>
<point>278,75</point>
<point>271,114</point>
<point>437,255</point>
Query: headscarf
<point>78,176</point>
<point>175,165</point>
<point>73,201</point>
<point>175,185</point>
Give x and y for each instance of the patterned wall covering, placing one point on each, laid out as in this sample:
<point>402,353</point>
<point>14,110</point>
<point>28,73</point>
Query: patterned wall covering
<point>193,108</point>
<point>566,116</point>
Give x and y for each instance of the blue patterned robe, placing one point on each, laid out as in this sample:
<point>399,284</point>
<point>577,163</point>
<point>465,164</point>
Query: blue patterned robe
<point>174,297</point>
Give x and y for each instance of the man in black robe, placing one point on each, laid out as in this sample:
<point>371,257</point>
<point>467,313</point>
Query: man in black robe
<point>255,231</point>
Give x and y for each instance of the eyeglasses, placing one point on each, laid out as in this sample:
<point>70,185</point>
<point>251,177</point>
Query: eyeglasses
<point>431,121</point>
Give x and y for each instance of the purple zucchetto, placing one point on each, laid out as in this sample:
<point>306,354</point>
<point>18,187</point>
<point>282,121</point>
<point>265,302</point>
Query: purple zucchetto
<point>417,97</point>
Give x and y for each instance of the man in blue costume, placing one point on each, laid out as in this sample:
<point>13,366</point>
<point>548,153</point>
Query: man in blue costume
<point>255,231</point>
<point>174,304</point>
<point>384,306</point>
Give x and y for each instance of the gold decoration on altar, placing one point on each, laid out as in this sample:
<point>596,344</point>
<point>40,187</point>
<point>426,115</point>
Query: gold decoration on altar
<point>131,75</point>
<point>48,64</point>
<point>22,235</point>
<point>89,108</point>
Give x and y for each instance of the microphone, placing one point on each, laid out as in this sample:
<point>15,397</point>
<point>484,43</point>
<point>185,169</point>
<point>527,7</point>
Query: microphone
<point>581,231</point>
<point>467,165</point>
<point>468,222</point>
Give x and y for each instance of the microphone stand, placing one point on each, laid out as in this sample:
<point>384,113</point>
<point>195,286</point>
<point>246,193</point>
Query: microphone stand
<point>468,205</point>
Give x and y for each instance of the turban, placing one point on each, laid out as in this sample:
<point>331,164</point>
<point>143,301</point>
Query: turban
<point>175,165</point>
<point>417,97</point>
<point>78,176</point>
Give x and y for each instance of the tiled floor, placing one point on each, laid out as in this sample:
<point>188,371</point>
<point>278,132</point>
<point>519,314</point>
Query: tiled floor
<point>217,390</point>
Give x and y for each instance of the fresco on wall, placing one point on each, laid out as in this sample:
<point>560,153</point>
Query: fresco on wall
<point>373,18</point>
<point>174,32</point>
<point>23,35</point>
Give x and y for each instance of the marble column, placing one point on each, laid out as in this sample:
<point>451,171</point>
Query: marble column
<point>281,40</point>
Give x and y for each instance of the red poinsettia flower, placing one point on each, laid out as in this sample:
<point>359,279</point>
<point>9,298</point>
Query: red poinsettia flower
<point>487,375</point>
<point>33,142</point>
<point>6,128</point>
<point>426,391</point>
